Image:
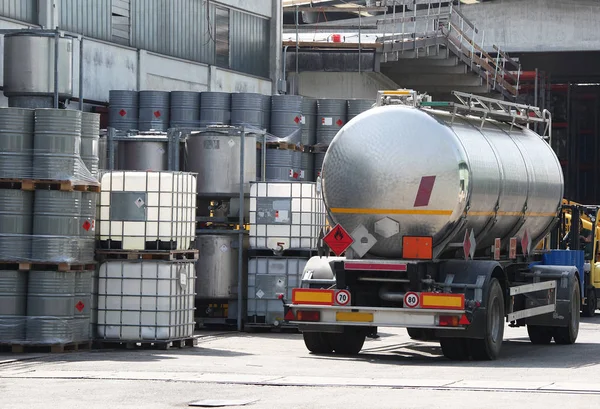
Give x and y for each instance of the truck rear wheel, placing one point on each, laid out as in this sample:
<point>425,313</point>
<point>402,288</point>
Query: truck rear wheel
<point>489,347</point>
<point>589,310</point>
<point>455,349</point>
<point>317,342</point>
<point>349,342</point>
<point>540,335</point>
<point>568,335</point>
<point>420,334</point>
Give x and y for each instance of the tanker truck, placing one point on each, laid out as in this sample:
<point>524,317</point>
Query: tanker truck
<point>437,208</point>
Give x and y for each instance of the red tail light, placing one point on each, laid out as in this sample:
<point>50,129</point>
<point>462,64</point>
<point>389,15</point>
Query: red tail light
<point>449,321</point>
<point>309,316</point>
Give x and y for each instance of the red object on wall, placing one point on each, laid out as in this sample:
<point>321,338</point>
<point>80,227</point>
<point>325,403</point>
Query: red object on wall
<point>336,38</point>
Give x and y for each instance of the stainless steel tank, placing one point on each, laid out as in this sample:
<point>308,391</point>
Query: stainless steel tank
<point>16,224</point>
<point>16,142</point>
<point>215,157</point>
<point>400,171</point>
<point>331,116</point>
<point>56,226</point>
<point>217,265</point>
<point>90,135</point>
<point>154,110</point>
<point>57,141</point>
<point>29,65</point>
<point>286,117</point>
<point>185,109</point>
<point>215,108</point>
<point>358,106</point>
<point>13,305</point>
<point>50,307</point>
<point>144,153</point>
<point>123,111</point>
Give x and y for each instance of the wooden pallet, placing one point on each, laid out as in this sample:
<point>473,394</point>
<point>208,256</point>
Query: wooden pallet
<point>159,344</point>
<point>45,266</point>
<point>284,146</point>
<point>62,185</point>
<point>168,255</point>
<point>17,348</point>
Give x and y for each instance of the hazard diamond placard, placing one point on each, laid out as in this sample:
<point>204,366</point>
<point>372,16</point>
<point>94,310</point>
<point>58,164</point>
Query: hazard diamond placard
<point>338,240</point>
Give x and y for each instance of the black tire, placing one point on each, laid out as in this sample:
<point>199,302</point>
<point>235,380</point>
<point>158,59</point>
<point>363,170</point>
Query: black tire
<point>349,342</point>
<point>540,335</point>
<point>568,335</point>
<point>455,349</point>
<point>488,348</point>
<point>317,342</point>
<point>420,334</point>
<point>589,309</point>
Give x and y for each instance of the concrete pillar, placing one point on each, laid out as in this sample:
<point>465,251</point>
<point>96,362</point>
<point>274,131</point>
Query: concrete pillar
<point>48,13</point>
<point>275,44</point>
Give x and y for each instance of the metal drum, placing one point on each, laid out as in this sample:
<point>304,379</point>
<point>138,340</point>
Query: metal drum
<point>247,109</point>
<point>57,140</point>
<point>185,109</point>
<point>102,153</point>
<point>16,223</point>
<point>50,307</point>
<point>331,116</point>
<point>123,111</point>
<point>307,166</point>
<point>217,265</point>
<point>358,106</point>
<point>154,110</point>
<point>215,108</point>
<point>496,181</point>
<point>13,305</point>
<point>286,117</point>
<point>319,157</point>
<point>144,153</point>
<point>215,157</point>
<point>309,121</point>
<point>83,305</point>
<point>283,165</point>
<point>94,305</point>
<point>16,142</point>
<point>87,221</point>
<point>90,134</point>
<point>56,226</point>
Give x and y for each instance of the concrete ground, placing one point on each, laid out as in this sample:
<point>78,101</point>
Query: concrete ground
<point>274,370</point>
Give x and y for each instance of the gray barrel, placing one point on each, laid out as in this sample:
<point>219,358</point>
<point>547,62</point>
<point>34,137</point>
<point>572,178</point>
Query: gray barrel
<point>90,135</point>
<point>308,166</point>
<point>319,157</point>
<point>16,223</point>
<point>94,304</point>
<point>13,305</point>
<point>56,226</point>
<point>309,121</point>
<point>217,268</point>
<point>83,305</point>
<point>144,153</point>
<point>57,140</point>
<point>16,142</point>
<point>185,109</point>
<point>331,116</point>
<point>283,165</point>
<point>154,110</point>
<point>286,117</point>
<point>87,221</point>
<point>50,307</point>
<point>123,112</point>
<point>247,109</point>
<point>266,108</point>
<point>215,108</point>
<point>358,106</point>
<point>102,153</point>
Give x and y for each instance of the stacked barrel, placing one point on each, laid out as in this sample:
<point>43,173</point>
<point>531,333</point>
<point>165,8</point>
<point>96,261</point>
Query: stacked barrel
<point>47,219</point>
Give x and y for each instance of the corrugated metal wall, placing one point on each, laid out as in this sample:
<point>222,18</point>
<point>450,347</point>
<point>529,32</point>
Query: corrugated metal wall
<point>24,10</point>
<point>173,27</point>
<point>88,17</point>
<point>249,43</point>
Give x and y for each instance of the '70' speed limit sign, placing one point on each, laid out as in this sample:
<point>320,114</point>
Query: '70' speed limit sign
<point>342,297</point>
<point>411,300</point>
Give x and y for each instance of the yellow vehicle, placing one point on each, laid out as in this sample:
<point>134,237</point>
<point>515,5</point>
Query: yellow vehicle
<point>589,223</point>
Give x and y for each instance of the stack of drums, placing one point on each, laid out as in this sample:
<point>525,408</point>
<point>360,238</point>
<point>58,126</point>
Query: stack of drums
<point>13,305</point>
<point>286,117</point>
<point>90,135</point>
<point>16,224</point>
<point>87,221</point>
<point>215,108</point>
<point>57,140</point>
<point>358,106</point>
<point>331,117</point>
<point>309,135</point>
<point>123,111</point>
<point>154,111</point>
<point>185,109</point>
<point>83,305</point>
<point>16,142</point>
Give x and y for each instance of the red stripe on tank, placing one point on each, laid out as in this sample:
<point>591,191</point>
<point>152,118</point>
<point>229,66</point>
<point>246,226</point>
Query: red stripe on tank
<point>424,192</point>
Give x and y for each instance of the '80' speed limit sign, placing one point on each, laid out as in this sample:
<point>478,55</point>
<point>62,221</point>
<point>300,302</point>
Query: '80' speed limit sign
<point>411,300</point>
